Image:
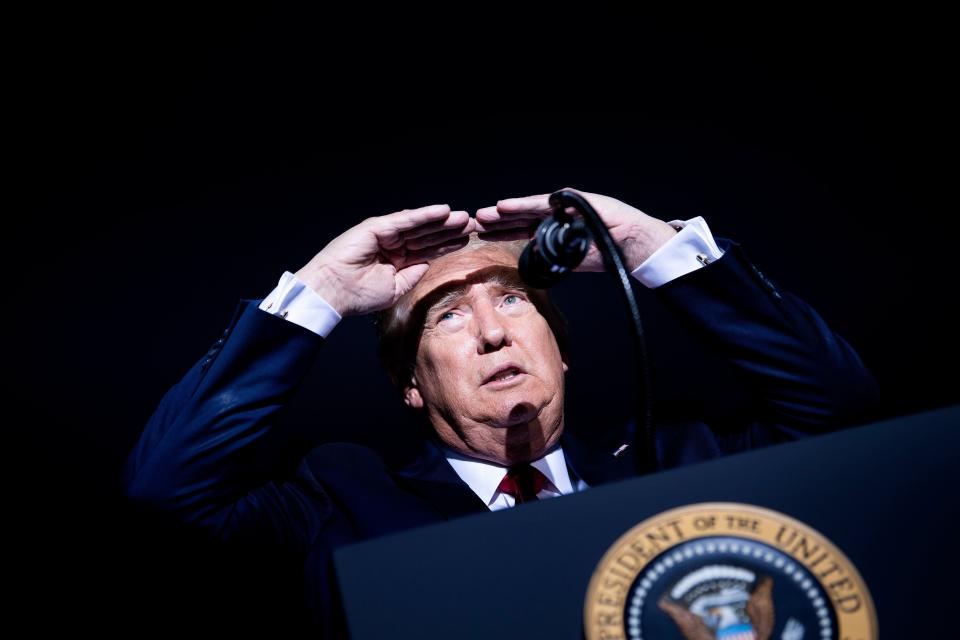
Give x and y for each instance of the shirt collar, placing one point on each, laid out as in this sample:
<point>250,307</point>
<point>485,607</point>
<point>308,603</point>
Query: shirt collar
<point>483,477</point>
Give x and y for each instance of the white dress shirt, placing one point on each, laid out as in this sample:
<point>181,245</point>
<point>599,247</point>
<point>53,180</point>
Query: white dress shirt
<point>690,249</point>
<point>484,477</point>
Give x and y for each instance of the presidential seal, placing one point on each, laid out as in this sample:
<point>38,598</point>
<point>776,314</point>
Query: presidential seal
<point>728,571</point>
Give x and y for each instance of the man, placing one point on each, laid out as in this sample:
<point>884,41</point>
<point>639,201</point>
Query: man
<point>482,356</point>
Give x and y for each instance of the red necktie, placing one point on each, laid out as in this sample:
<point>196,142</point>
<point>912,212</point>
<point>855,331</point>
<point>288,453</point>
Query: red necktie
<point>523,482</point>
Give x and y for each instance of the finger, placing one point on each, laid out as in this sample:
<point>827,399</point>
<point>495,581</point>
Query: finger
<point>530,225</point>
<point>409,218</point>
<point>508,223</point>
<point>408,277</point>
<point>492,214</point>
<point>539,203</point>
<point>531,204</point>
<point>456,220</point>
<point>389,228</point>
<point>508,234</point>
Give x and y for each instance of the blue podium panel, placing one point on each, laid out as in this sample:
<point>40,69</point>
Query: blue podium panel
<point>884,494</point>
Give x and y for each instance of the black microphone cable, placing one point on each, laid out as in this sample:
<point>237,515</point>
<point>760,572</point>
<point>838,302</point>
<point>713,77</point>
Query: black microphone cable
<point>558,246</point>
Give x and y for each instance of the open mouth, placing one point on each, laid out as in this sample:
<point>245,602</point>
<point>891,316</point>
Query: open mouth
<point>504,373</point>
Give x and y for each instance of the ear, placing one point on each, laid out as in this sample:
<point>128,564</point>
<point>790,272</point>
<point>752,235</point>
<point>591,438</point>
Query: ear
<point>566,367</point>
<point>411,394</point>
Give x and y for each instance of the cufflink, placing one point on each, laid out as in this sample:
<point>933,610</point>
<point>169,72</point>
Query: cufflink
<point>704,260</point>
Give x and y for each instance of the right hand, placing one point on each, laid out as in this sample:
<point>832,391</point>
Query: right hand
<point>369,266</point>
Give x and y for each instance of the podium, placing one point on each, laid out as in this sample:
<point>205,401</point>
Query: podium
<point>884,495</point>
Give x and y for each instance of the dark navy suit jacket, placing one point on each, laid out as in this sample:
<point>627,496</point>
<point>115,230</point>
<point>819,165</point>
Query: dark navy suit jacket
<point>205,455</point>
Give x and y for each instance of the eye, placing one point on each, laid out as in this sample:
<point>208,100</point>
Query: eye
<point>514,297</point>
<point>446,315</point>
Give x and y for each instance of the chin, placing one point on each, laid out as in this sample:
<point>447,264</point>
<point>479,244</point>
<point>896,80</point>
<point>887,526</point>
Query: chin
<point>515,411</point>
<point>524,443</point>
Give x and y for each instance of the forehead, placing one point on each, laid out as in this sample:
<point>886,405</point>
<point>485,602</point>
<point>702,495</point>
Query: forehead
<point>459,267</point>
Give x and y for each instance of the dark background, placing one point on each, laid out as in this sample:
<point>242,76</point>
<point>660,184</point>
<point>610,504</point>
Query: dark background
<point>168,164</point>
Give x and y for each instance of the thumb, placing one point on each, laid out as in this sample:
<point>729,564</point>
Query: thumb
<point>408,277</point>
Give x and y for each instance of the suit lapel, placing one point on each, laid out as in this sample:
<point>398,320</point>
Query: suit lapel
<point>432,478</point>
<point>597,464</point>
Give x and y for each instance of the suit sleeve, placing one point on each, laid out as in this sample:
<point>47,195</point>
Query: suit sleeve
<point>806,378</point>
<point>209,452</point>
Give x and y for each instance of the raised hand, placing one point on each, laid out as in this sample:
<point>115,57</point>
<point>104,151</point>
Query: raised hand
<point>369,266</point>
<point>637,234</point>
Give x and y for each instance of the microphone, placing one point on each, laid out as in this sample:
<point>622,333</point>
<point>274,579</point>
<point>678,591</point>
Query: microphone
<point>558,246</point>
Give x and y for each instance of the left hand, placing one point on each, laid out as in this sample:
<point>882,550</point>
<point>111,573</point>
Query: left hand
<point>637,234</point>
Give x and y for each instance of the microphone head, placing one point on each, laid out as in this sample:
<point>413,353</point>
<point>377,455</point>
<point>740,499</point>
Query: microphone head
<point>535,270</point>
<point>554,252</point>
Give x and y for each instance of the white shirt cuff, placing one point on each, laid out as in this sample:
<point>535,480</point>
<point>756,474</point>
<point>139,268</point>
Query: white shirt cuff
<point>298,303</point>
<point>692,248</point>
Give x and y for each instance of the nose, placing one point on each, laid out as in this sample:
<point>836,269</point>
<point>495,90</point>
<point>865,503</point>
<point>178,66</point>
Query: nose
<point>492,333</point>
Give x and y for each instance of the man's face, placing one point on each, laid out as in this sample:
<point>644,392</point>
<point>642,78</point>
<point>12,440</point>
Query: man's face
<point>488,369</point>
